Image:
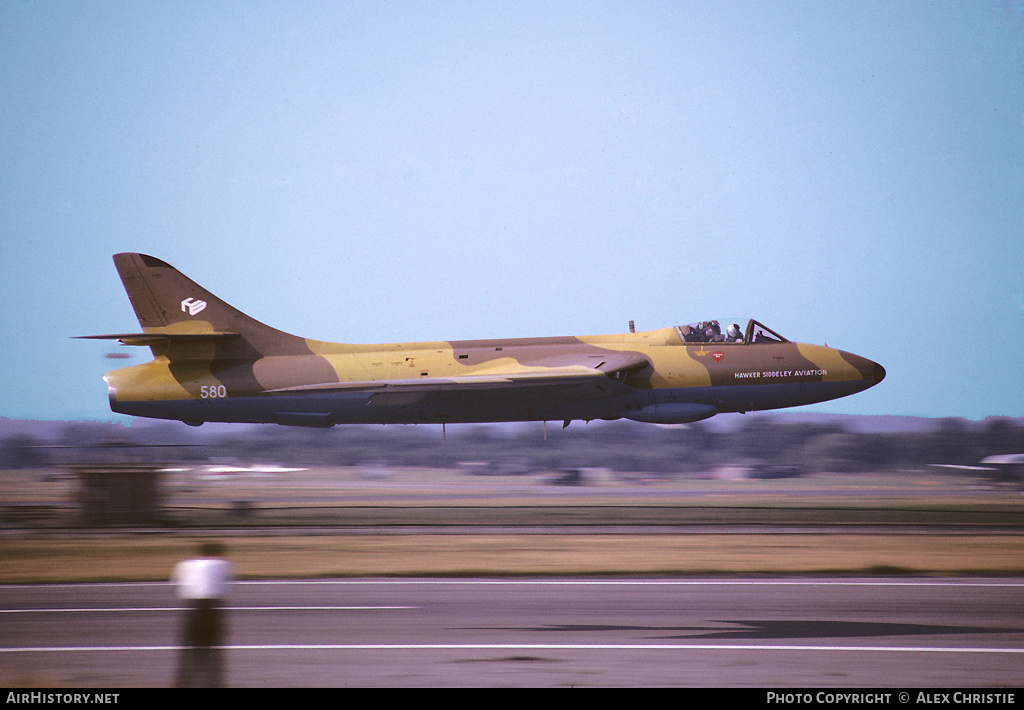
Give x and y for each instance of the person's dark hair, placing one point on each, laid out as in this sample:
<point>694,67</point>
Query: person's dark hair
<point>211,549</point>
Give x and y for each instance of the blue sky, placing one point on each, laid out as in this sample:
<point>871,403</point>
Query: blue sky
<point>847,173</point>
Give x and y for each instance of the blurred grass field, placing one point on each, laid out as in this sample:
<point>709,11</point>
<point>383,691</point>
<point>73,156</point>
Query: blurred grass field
<point>133,557</point>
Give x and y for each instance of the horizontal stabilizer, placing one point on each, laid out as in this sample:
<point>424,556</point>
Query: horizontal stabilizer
<point>160,338</point>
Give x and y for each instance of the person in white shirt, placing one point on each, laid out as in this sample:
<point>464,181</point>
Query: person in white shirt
<point>203,584</point>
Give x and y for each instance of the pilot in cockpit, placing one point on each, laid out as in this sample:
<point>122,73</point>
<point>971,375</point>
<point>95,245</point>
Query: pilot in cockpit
<point>712,331</point>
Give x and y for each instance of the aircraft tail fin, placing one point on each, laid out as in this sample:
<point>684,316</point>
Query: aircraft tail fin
<point>181,319</point>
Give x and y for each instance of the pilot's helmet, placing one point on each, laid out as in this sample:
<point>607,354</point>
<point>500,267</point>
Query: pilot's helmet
<point>734,331</point>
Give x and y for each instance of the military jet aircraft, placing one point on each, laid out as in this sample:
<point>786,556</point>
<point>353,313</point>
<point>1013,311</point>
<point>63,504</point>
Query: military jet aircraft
<point>213,363</point>
<point>1001,468</point>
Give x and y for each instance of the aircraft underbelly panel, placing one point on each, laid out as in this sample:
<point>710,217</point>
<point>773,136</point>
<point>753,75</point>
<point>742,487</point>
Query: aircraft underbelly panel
<point>481,409</point>
<point>746,398</point>
<point>328,408</point>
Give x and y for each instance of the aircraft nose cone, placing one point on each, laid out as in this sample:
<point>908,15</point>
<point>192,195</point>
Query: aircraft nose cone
<point>871,372</point>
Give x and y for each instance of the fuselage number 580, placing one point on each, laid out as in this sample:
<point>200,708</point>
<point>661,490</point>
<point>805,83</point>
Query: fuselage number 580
<point>213,391</point>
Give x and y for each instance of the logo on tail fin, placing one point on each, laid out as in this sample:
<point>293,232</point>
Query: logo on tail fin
<point>192,306</point>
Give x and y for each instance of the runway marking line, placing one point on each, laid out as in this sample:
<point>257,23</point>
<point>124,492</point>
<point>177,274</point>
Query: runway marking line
<point>640,582</point>
<point>226,608</point>
<point>519,646</point>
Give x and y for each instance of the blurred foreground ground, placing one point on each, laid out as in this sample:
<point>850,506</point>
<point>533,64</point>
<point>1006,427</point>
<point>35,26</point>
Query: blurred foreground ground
<point>378,520</point>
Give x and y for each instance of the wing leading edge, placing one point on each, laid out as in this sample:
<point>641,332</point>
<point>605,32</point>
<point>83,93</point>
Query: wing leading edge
<point>584,383</point>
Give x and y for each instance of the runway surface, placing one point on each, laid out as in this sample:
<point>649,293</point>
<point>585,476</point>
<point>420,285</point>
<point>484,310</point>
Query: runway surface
<point>771,633</point>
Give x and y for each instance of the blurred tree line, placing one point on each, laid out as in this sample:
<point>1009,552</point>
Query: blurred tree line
<point>622,446</point>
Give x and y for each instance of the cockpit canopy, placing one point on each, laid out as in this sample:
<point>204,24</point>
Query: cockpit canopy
<point>713,331</point>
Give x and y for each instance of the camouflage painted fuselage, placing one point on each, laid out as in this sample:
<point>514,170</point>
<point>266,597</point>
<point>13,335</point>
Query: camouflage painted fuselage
<point>214,363</point>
